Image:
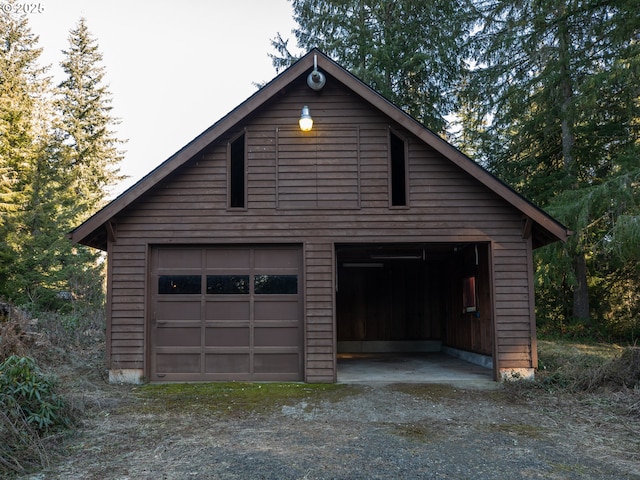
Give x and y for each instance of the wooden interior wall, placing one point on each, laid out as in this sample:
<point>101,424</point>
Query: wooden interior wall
<point>471,331</point>
<point>397,301</point>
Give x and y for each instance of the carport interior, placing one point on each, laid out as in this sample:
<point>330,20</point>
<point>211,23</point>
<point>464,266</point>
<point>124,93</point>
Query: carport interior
<point>413,299</point>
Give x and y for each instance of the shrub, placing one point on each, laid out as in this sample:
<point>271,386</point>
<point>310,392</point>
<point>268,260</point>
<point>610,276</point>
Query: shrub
<point>29,408</point>
<point>80,328</point>
<point>23,384</point>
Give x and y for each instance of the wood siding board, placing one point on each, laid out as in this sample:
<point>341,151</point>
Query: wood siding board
<point>532,310</point>
<point>508,318</point>
<point>108,302</point>
<point>323,349</point>
<point>319,335</point>
<point>317,356</point>
<point>524,333</point>
<point>319,311</point>
<point>517,342</point>
<point>127,329</point>
<point>129,307</point>
<point>137,336</point>
<point>321,366</point>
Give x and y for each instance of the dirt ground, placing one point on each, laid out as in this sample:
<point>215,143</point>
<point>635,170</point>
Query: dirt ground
<point>393,431</point>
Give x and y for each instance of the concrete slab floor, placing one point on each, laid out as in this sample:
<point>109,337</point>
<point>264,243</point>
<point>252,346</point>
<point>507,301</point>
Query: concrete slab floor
<point>385,368</point>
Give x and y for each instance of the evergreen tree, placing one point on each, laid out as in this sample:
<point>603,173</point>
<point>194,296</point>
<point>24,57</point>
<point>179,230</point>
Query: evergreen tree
<point>24,144</point>
<point>20,83</point>
<point>89,146</point>
<point>552,106</point>
<point>58,155</point>
<point>88,153</point>
<point>410,51</point>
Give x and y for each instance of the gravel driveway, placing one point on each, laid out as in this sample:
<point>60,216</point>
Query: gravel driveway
<point>394,431</point>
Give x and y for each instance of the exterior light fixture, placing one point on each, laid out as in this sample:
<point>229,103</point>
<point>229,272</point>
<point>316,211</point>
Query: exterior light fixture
<point>305,122</point>
<point>316,79</point>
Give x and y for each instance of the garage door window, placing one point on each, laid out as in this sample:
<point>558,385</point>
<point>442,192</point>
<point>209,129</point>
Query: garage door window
<point>227,284</point>
<point>179,284</point>
<point>276,284</point>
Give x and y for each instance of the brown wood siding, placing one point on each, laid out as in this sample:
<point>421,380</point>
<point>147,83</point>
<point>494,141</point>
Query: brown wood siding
<point>445,205</point>
<point>318,169</point>
<point>512,294</point>
<point>320,366</point>
<point>127,326</point>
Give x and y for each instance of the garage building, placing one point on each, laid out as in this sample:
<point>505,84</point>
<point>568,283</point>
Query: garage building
<point>260,251</point>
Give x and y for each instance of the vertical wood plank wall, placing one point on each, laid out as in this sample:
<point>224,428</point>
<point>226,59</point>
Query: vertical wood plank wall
<point>470,331</point>
<point>445,205</point>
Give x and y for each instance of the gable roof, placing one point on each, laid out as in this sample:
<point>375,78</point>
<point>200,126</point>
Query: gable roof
<point>95,230</point>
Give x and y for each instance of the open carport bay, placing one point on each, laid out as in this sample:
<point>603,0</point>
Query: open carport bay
<point>412,298</point>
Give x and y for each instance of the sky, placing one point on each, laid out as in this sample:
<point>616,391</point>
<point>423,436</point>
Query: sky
<point>173,67</point>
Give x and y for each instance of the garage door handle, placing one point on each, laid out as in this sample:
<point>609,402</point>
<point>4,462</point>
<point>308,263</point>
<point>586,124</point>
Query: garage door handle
<point>161,322</point>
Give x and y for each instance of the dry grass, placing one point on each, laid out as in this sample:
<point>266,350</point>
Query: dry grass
<point>423,432</point>
<point>587,367</point>
<point>597,387</point>
<point>17,335</point>
<point>21,446</point>
<point>598,375</point>
<point>621,372</point>
<point>603,379</point>
<point>519,429</point>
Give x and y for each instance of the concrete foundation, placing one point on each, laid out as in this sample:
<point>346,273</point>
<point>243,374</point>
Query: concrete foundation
<point>516,374</point>
<point>448,366</point>
<point>408,346</point>
<point>475,358</point>
<point>132,376</point>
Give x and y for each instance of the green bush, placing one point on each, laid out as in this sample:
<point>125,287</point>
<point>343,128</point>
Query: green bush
<point>24,388</point>
<point>30,412</point>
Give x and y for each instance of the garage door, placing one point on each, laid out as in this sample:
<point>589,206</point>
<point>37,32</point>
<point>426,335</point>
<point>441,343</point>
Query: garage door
<point>226,314</point>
